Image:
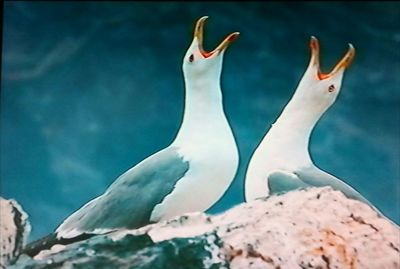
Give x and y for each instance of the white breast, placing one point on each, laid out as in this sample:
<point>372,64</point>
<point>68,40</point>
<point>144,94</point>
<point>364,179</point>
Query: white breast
<point>213,160</point>
<point>275,152</point>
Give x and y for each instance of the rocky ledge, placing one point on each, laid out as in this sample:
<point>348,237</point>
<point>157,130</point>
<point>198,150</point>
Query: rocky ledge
<point>311,228</point>
<point>14,230</point>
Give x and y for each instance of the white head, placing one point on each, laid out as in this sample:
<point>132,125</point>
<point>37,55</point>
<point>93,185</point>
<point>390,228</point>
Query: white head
<point>199,64</point>
<point>319,90</point>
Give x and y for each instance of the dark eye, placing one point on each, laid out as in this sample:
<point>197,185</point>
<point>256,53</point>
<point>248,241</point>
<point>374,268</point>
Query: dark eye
<point>331,88</point>
<point>191,58</point>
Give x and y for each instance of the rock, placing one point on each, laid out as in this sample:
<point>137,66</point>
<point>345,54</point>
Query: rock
<point>130,251</point>
<point>14,230</point>
<point>312,228</point>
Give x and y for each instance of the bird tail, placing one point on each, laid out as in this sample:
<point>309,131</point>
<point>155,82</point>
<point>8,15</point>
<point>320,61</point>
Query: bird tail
<point>45,243</point>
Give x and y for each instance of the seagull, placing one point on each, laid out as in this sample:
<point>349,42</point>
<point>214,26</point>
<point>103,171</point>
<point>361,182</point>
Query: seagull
<point>189,175</point>
<point>282,160</point>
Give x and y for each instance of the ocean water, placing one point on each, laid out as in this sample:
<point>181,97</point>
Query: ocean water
<point>90,89</point>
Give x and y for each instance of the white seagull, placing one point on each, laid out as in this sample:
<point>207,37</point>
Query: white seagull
<point>189,175</point>
<point>282,161</point>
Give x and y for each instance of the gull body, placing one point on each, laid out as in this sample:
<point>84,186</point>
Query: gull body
<point>282,161</point>
<point>189,175</point>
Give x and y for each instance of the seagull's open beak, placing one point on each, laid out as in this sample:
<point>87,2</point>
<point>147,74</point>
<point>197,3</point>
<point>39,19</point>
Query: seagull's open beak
<point>344,62</point>
<point>198,33</point>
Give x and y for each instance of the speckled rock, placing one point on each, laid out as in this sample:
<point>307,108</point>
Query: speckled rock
<point>14,230</point>
<point>312,228</point>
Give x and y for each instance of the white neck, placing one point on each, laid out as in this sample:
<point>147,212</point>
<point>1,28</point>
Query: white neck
<point>288,138</point>
<point>203,110</point>
<point>299,121</point>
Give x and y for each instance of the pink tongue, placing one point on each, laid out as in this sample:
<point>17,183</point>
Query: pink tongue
<point>206,54</point>
<point>322,76</point>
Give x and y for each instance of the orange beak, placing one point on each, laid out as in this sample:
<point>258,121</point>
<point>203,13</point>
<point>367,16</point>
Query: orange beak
<point>199,32</point>
<point>343,63</point>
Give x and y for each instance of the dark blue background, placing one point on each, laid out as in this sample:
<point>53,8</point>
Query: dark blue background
<point>90,89</point>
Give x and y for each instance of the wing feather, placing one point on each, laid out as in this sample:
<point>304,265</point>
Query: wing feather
<point>129,201</point>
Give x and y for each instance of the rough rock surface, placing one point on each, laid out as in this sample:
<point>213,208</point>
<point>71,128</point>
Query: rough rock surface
<point>313,228</point>
<point>14,230</point>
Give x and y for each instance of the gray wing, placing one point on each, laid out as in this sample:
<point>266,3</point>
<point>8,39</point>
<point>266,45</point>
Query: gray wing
<point>282,181</point>
<point>129,201</point>
<point>316,177</point>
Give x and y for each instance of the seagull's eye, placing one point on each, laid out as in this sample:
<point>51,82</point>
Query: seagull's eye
<point>191,58</point>
<point>331,88</point>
